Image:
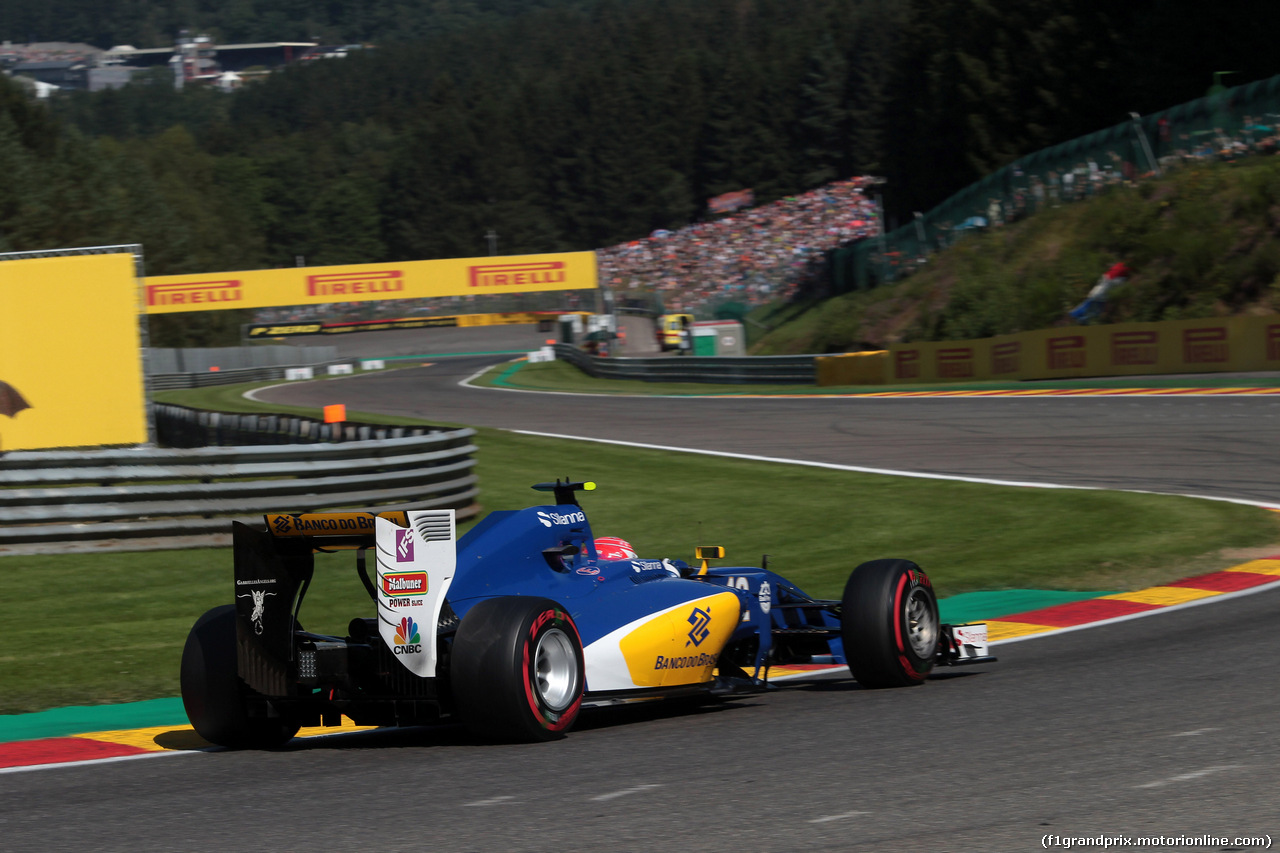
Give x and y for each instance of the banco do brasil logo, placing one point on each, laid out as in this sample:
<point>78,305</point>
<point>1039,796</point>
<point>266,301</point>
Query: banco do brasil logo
<point>699,619</point>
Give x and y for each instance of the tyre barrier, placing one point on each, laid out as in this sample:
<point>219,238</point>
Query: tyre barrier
<point>145,498</point>
<point>772,369</point>
<point>179,426</point>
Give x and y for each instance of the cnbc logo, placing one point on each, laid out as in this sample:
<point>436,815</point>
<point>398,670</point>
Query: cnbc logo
<point>407,639</point>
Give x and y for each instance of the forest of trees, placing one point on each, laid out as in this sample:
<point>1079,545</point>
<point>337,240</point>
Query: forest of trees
<point>150,23</point>
<point>570,124</point>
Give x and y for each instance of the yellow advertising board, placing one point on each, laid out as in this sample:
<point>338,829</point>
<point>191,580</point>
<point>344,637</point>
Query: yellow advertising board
<point>370,282</point>
<point>1123,349</point>
<point>70,364</point>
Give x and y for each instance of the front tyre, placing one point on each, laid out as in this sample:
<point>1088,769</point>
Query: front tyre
<point>213,694</point>
<point>889,624</point>
<point>517,670</point>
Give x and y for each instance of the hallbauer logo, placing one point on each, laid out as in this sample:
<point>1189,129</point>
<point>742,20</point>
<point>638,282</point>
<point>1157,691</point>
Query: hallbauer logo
<point>408,640</point>
<point>699,619</point>
<point>404,546</point>
<point>404,583</point>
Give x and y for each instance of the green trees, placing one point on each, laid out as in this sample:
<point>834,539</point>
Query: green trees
<point>562,124</point>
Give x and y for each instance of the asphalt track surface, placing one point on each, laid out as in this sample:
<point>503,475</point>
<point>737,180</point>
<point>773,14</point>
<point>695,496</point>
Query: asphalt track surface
<point>1219,446</point>
<point>1156,726</point>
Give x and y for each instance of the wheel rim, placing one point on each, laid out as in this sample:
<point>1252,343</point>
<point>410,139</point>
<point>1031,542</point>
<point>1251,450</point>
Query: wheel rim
<point>555,670</point>
<point>922,624</point>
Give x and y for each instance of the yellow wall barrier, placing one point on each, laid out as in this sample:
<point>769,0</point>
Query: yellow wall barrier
<point>854,368</point>
<point>70,366</point>
<point>1123,349</point>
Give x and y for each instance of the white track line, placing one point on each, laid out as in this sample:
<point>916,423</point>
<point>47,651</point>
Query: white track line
<point>91,761</point>
<point>1195,774</point>
<point>638,789</point>
<point>986,481</point>
<point>842,816</point>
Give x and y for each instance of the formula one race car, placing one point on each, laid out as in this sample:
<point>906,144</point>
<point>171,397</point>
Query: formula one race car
<point>517,626</point>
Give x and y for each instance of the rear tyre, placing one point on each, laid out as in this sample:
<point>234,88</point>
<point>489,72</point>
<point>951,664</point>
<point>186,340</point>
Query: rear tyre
<point>213,694</point>
<point>889,624</point>
<point>517,670</point>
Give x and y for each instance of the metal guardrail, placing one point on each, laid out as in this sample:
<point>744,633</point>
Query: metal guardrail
<point>201,359</point>
<point>146,497</point>
<point>177,381</point>
<point>772,369</point>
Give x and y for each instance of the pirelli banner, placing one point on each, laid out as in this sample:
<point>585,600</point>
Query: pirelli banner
<point>1126,349</point>
<point>370,282</point>
<point>70,359</point>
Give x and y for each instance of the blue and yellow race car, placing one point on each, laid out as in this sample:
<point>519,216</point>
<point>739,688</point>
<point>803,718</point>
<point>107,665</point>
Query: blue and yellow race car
<point>516,627</point>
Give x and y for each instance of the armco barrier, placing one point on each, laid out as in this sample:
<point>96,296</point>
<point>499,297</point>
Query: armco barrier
<point>773,369</point>
<point>164,498</point>
<point>202,359</point>
<point>179,381</point>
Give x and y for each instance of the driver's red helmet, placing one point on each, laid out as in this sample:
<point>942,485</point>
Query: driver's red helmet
<point>613,548</point>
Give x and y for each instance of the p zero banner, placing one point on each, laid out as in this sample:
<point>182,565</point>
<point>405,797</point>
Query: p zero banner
<point>509,318</point>
<point>1124,349</point>
<point>70,364</point>
<point>370,282</point>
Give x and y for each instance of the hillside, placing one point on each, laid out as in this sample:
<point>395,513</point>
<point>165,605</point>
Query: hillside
<point>1203,242</point>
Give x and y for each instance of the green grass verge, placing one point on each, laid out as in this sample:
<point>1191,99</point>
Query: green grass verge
<point>110,627</point>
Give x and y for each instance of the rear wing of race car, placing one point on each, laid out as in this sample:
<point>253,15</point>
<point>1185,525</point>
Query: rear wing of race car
<point>273,568</point>
<point>341,530</point>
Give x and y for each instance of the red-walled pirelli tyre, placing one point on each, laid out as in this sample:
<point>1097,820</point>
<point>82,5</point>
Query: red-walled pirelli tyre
<point>213,694</point>
<point>517,671</point>
<point>889,623</point>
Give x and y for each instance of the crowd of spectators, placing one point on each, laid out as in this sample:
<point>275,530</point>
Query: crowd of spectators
<point>751,256</point>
